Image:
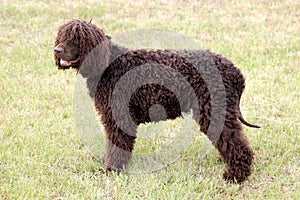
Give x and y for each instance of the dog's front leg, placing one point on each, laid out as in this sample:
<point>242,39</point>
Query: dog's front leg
<point>118,150</point>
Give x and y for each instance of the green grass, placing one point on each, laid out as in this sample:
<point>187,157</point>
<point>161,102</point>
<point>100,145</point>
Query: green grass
<point>41,154</point>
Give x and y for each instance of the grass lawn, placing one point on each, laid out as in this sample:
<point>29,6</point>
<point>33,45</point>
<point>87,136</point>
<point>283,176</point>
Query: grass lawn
<point>41,153</point>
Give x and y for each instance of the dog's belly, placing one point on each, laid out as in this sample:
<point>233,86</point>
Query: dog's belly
<point>152,103</point>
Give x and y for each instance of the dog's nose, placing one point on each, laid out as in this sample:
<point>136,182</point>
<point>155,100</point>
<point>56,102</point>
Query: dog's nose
<point>58,49</point>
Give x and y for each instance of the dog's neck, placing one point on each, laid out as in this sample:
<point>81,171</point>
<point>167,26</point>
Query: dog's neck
<point>115,52</point>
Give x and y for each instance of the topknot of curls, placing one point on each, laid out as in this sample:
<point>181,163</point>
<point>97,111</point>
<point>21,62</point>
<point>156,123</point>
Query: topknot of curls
<point>85,34</point>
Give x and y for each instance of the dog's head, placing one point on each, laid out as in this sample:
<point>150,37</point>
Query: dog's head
<point>83,46</point>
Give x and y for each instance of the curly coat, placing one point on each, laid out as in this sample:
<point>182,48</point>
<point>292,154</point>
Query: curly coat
<point>84,47</point>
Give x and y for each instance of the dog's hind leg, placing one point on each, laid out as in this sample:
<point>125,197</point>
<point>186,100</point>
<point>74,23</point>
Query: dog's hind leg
<point>234,147</point>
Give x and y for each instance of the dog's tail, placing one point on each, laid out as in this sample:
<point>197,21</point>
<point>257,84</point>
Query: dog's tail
<point>245,122</point>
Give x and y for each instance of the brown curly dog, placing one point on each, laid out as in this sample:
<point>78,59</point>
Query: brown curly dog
<point>174,78</point>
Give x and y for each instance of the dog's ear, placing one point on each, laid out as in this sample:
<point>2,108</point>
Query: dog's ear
<point>96,61</point>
